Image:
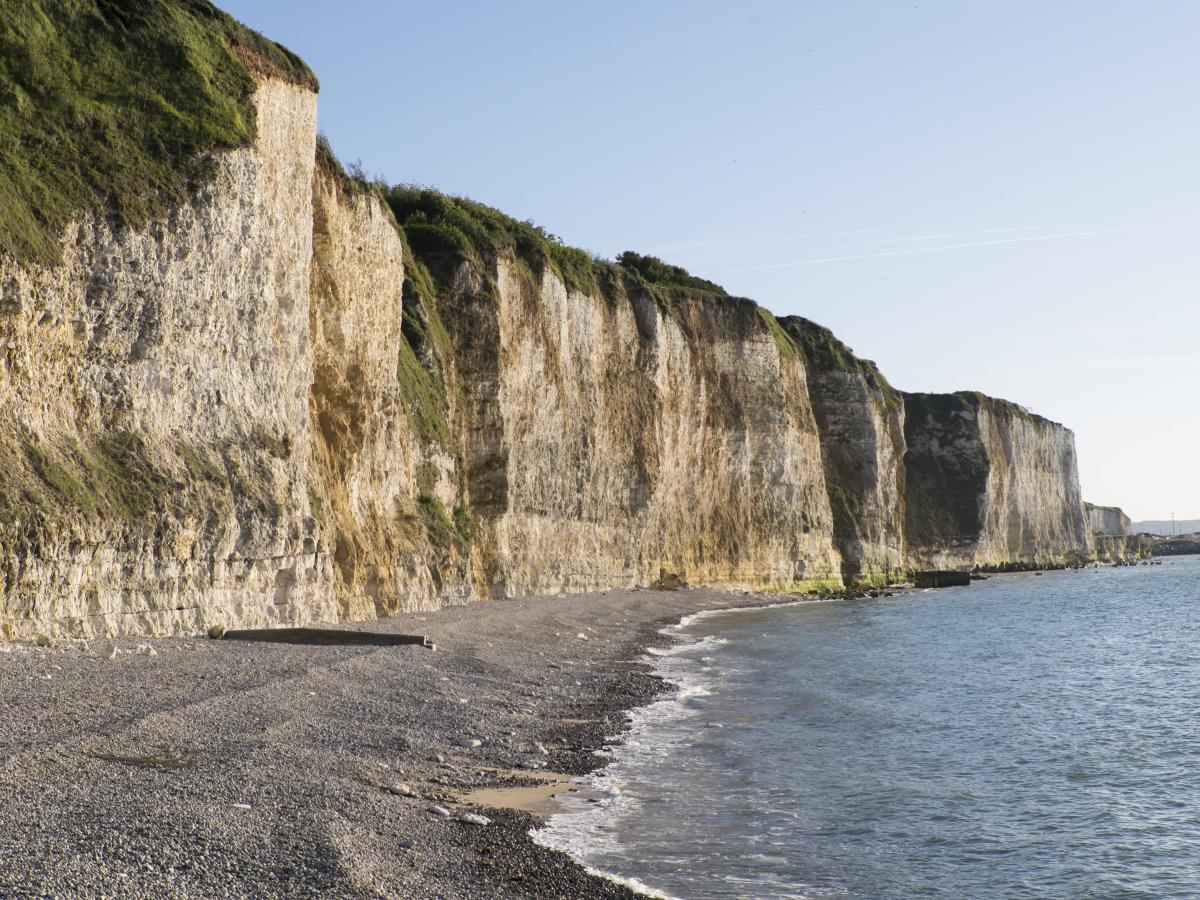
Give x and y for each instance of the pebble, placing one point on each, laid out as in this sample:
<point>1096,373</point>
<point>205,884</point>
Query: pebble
<point>397,711</point>
<point>400,789</point>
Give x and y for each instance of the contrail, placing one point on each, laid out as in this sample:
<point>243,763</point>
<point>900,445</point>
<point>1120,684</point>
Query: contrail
<point>914,250</point>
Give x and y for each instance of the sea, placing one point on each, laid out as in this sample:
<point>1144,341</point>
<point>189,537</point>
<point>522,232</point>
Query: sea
<point>1028,736</point>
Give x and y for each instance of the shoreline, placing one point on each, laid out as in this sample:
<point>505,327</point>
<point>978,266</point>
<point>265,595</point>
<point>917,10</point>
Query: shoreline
<point>222,768</point>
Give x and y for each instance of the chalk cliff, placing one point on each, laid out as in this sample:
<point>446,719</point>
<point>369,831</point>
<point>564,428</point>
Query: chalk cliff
<point>990,484</point>
<point>154,420</point>
<point>1113,536</point>
<point>1107,520</point>
<point>288,395</point>
<point>635,436</point>
<point>860,419</point>
<point>1114,548</point>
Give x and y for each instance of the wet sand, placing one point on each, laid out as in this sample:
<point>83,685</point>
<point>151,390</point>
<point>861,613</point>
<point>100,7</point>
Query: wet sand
<point>238,769</point>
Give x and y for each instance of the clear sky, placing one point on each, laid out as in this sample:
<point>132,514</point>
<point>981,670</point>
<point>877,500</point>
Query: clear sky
<point>1001,195</point>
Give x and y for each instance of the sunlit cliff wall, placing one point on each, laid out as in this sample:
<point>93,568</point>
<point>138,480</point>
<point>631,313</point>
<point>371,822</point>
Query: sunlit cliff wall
<point>291,395</point>
<point>990,484</point>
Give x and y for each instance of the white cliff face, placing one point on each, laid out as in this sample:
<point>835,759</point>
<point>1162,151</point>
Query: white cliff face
<point>860,418</point>
<point>989,484</point>
<point>378,480</point>
<point>154,408</point>
<point>638,440</point>
<point>1034,503</point>
<point>254,412</point>
<point>1108,520</point>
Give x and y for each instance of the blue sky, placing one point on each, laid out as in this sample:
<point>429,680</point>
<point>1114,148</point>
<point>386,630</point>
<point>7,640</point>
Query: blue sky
<point>1003,196</point>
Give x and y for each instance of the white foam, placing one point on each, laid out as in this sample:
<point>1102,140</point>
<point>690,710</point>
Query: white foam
<point>588,831</point>
<point>638,887</point>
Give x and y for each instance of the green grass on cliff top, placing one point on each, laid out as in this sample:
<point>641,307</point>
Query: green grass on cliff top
<point>441,228</point>
<point>108,105</point>
<point>821,347</point>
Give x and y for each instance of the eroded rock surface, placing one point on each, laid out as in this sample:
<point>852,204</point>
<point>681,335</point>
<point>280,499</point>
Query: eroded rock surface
<point>990,484</point>
<point>860,418</point>
<point>154,438</point>
<point>1109,520</point>
<point>276,406</point>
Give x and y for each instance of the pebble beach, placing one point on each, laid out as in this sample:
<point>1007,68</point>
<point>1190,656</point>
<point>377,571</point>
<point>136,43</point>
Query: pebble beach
<point>192,767</point>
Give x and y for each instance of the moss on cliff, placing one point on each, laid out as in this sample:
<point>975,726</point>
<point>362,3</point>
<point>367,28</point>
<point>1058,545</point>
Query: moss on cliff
<point>822,349</point>
<point>846,507</point>
<point>783,341</point>
<point>109,106</point>
<point>442,230</point>
<point>111,478</point>
<point>653,271</point>
<point>819,346</point>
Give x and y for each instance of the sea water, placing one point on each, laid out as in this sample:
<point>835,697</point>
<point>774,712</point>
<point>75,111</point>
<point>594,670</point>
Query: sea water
<point>1027,736</point>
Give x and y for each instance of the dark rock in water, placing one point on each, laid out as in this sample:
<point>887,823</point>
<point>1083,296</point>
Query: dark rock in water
<point>939,579</point>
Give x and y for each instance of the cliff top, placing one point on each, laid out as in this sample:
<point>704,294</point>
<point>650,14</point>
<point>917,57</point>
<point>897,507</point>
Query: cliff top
<point>442,228</point>
<point>109,106</point>
<point>969,400</point>
<point>821,347</point>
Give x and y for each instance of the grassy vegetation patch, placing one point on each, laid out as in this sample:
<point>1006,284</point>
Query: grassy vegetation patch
<point>424,398</point>
<point>421,358</point>
<point>819,345</point>
<point>441,531</point>
<point>443,230</point>
<point>821,349</point>
<point>109,106</point>
<point>783,341</point>
<point>353,180</point>
<point>464,523</point>
<point>112,478</point>
<point>653,271</point>
<point>847,510</point>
